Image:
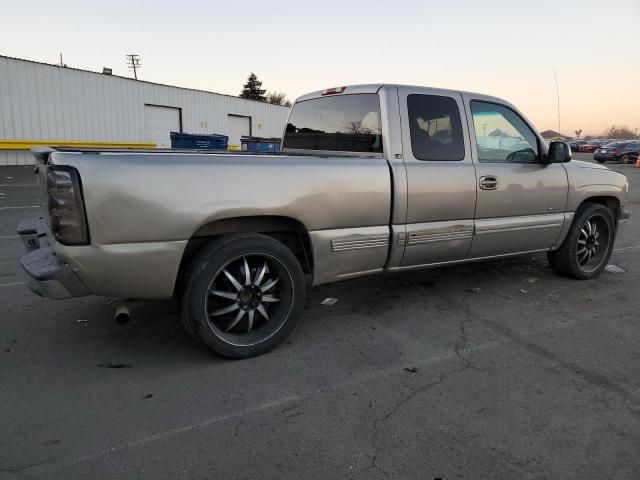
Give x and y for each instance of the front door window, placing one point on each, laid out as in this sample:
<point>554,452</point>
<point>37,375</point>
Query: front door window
<point>501,135</point>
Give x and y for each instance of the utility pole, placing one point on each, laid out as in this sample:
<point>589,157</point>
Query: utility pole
<point>558,96</point>
<point>133,62</point>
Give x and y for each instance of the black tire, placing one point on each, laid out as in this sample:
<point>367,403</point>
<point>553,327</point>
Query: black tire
<point>267,322</point>
<point>566,261</point>
<point>600,160</point>
<point>625,159</point>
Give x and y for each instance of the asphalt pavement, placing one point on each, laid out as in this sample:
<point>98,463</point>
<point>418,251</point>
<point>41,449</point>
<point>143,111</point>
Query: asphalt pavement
<point>497,370</point>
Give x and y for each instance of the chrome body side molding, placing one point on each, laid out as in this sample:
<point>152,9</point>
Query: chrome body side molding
<point>349,252</point>
<point>440,233</point>
<point>430,242</point>
<point>358,241</point>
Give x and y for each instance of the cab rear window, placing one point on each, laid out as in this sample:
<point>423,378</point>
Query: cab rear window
<point>342,123</point>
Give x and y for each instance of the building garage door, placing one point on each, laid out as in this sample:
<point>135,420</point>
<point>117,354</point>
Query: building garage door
<point>238,127</point>
<point>158,122</point>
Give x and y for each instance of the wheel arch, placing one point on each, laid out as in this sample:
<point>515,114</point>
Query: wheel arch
<point>609,201</point>
<point>566,259</point>
<point>291,232</point>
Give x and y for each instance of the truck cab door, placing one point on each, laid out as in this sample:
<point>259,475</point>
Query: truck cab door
<point>441,179</point>
<point>521,201</point>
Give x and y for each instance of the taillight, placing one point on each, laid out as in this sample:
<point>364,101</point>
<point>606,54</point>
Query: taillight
<point>67,217</point>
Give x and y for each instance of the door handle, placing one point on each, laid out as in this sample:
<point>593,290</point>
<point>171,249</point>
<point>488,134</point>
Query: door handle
<point>488,182</point>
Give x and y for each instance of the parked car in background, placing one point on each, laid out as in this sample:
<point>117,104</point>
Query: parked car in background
<point>591,146</point>
<point>629,153</point>
<point>576,144</point>
<point>609,152</point>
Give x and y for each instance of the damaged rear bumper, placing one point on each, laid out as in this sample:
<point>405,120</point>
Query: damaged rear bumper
<point>47,275</point>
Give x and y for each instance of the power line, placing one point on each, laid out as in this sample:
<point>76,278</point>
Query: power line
<point>133,62</point>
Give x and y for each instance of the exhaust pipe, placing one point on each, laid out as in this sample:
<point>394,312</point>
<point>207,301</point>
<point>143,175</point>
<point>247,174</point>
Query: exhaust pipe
<point>122,314</point>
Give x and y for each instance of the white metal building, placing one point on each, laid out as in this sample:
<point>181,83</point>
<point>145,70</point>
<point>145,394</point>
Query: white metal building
<point>42,104</point>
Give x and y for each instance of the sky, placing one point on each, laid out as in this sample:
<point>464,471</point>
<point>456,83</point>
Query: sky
<point>509,49</point>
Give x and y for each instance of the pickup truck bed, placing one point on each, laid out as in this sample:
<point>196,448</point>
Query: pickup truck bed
<point>141,221</point>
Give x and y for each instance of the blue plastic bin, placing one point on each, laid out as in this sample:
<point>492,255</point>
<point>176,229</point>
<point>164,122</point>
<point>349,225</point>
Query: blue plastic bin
<point>258,144</point>
<point>200,142</point>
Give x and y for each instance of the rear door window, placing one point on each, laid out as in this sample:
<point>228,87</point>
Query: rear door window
<point>435,127</point>
<point>342,123</point>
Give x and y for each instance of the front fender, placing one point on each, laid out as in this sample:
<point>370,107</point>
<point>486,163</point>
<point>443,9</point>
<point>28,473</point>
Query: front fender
<point>588,180</point>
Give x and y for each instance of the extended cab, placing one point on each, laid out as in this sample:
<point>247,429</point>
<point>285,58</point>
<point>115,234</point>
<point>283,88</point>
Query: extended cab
<point>372,178</point>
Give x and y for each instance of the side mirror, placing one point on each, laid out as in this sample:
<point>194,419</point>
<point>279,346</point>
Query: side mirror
<point>559,152</point>
<point>526,155</point>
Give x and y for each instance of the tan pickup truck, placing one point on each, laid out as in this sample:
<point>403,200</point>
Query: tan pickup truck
<point>372,178</point>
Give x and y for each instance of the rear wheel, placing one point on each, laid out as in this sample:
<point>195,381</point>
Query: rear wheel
<point>244,295</point>
<point>588,245</point>
<point>625,159</point>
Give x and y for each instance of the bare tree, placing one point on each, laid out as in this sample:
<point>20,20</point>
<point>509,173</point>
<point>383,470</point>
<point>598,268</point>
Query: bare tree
<point>622,132</point>
<point>356,127</point>
<point>578,132</point>
<point>278,98</point>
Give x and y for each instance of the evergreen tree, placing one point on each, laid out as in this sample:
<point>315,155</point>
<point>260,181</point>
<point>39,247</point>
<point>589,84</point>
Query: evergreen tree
<point>252,89</point>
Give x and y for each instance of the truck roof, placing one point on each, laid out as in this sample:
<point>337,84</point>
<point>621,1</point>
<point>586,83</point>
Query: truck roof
<point>375,87</point>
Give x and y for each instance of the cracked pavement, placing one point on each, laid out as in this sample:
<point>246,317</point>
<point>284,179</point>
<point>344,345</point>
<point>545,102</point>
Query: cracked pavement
<point>410,376</point>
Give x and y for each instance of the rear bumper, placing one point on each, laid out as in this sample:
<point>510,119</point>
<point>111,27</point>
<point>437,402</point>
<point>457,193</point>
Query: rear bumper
<point>28,232</point>
<point>604,156</point>
<point>47,275</point>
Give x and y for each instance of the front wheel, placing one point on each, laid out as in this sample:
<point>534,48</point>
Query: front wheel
<point>625,159</point>
<point>244,295</point>
<point>588,245</point>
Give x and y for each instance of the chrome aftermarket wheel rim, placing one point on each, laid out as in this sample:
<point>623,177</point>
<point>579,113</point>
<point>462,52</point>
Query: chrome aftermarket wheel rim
<point>246,295</point>
<point>593,243</point>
